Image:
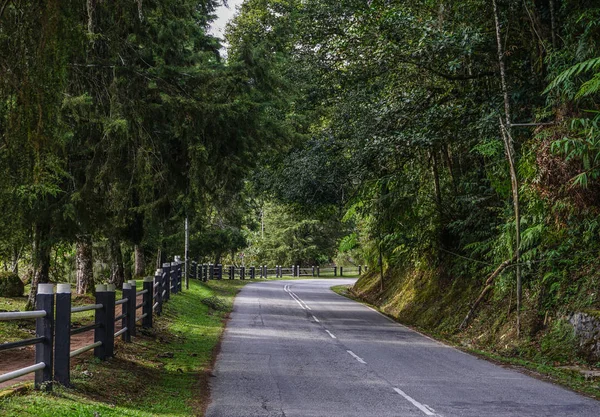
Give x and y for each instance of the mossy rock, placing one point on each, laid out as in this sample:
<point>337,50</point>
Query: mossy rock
<point>11,285</point>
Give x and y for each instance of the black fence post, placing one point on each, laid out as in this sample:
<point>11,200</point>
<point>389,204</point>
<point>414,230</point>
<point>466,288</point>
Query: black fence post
<point>44,327</point>
<point>110,320</point>
<point>205,273</point>
<point>341,271</point>
<point>211,271</point>
<point>180,276</point>
<point>101,331</point>
<point>252,272</point>
<point>313,271</point>
<point>220,272</point>
<point>125,312</point>
<point>159,290</point>
<point>132,302</point>
<point>359,270</point>
<point>167,281</point>
<point>335,271</point>
<point>318,271</point>
<point>62,335</point>
<point>243,272</point>
<point>174,284</point>
<point>148,303</point>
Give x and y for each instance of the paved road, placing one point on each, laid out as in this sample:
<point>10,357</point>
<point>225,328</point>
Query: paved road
<point>296,349</point>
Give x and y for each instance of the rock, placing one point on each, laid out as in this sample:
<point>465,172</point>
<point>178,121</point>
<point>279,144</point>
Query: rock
<point>587,331</point>
<point>11,285</point>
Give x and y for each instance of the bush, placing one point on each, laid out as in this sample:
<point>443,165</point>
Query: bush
<point>11,285</point>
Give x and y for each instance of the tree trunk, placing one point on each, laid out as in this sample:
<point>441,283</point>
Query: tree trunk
<point>140,261</point>
<point>84,263</point>
<point>505,129</point>
<point>41,263</point>
<point>380,268</point>
<point>117,272</point>
<point>436,183</point>
<point>553,23</point>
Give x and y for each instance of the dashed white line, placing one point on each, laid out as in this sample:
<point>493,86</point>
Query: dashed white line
<point>427,410</point>
<point>330,334</point>
<point>355,356</point>
<point>316,319</point>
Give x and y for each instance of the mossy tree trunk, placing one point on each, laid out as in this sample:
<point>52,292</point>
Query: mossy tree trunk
<point>84,261</point>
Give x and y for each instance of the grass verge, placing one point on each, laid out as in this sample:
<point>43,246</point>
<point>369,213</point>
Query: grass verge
<point>164,372</point>
<point>571,379</point>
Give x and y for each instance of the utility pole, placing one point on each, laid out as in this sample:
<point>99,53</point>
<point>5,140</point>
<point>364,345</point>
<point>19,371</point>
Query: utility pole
<point>185,257</point>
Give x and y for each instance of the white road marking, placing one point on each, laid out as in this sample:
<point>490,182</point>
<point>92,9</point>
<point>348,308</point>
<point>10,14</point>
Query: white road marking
<point>355,356</point>
<point>300,299</point>
<point>296,298</point>
<point>427,410</point>
<point>316,319</point>
<point>330,334</point>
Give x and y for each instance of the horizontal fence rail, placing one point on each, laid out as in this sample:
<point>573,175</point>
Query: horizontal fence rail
<point>54,327</point>
<point>43,340</point>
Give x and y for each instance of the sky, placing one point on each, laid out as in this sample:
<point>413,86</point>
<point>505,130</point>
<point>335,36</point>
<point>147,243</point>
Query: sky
<point>224,14</point>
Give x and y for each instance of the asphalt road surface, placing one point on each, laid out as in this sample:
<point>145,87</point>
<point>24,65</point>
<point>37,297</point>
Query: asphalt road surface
<point>296,349</point>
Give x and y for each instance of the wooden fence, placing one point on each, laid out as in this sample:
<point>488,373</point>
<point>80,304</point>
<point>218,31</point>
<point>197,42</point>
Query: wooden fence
<point>54,325</point>
<point>205,272</point>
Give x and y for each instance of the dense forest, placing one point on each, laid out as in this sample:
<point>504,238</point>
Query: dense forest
<point>456,143</point>
<point>453,147</point>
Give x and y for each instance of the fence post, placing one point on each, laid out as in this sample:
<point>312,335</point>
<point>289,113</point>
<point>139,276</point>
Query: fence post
<point>252,272</point>
<point>110,320</point>
<point>313,271</point>
<point>359,270</point>
<point>341,271</point>
<point>44,327</point>
<point>174,284</point>
<point>62,335</point>
<point>180,276</point>
<point>243,272</point>
<point>131,308</point>
<point>318,271</point>
<point>159,290</point>
<point>125,312</point>
<point>205,273</point>
<point>167,281</point>
<point>148,303</point>
<point>335,271</point>
<point>211,271</point>
<point>100,333</point>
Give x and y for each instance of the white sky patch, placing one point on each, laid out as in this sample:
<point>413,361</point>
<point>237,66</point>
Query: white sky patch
<point>224,15</point>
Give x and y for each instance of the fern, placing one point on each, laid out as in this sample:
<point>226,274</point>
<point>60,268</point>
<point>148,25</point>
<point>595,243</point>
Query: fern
<point>585,66</point>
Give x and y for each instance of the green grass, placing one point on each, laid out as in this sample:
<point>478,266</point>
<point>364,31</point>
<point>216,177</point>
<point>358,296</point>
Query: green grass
<point>164,373</point>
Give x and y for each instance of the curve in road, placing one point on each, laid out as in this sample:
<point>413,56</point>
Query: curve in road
<point>297,349</point>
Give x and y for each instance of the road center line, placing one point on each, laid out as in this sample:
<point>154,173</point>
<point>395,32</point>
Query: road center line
<point>355,356</point>
<point>300,299</point>
<point>330,334</point>
<point>428,411</point>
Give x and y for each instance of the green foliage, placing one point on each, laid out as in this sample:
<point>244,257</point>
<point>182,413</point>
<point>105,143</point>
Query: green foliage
<point>560,343</point>
<point>11,285</point>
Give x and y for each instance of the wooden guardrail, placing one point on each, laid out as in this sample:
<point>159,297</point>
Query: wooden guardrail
<point>54,327</point>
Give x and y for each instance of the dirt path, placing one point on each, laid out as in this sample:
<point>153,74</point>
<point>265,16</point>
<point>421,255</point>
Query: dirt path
<point>14,359</point>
